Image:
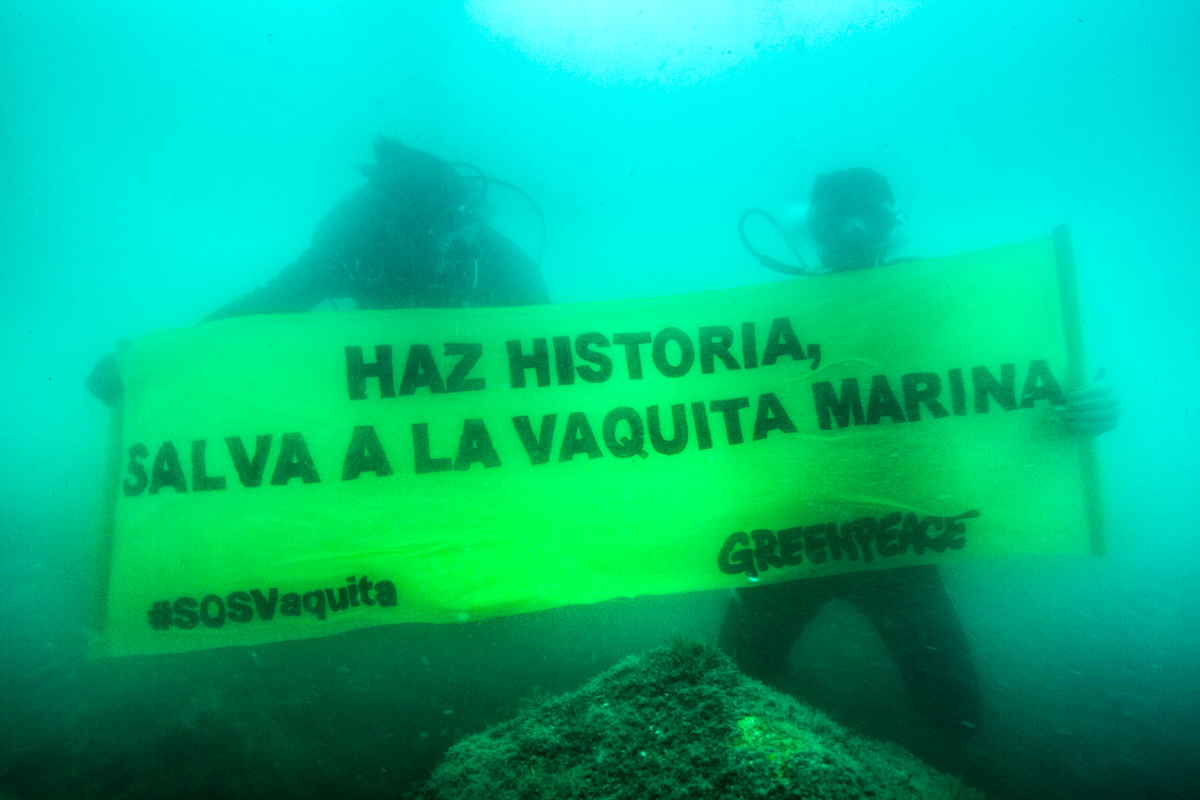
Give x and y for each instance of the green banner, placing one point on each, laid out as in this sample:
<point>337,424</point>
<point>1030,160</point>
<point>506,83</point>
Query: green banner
<point>291,476</point>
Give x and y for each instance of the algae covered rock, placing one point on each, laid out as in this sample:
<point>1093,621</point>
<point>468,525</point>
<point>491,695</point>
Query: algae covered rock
<point>680,722</point>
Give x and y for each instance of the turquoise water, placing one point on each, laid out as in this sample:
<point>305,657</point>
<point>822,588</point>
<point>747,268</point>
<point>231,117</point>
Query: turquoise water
<point>160,160</point>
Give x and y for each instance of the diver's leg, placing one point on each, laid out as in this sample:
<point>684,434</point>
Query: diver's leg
<point>916,620</point>
<point>763,622</point>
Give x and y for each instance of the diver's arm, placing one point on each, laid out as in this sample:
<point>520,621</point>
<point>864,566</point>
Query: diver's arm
<point>298,288</point>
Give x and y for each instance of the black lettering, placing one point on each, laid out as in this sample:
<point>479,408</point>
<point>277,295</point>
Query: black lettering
<point>830,407</point>
<point>136,471</point>
<point>922,388</point>
<point>912,534</point>
<point>352,587</point>
<point>385,593</point>
<point>238,604</point>
<point>782,341</point>
<point>703,434</point>
<point>538,447</point>
<point>422,460</point>
<point>886,537</point>
<point>882,402</point>
<point>475,447</point>
<point>771,416</point>
<point>365,454</point>
<point>765,547</point>
<point>840,543</point>
<point>210,619</point>
<point>863,531</point>
<point>936,543</point>
<point>814,352</point>
<point>250,471</point>
<point>314,603</point>
<point>457,380</point>
<point>732,563</point>
<point>201,482</point>
<point>159,615</point>
<point>955,530</point>
<point>342,600</point>
<point>604,365</point>
<point>632,445</point>
<point>364,590</point>
<point>578,438</point>
<point>687,352</point>
<point>1040,385</point>
<point>679,435</point>
<point>815,544</point>
<point>294,461</point>
<point>791,545</point>
<point>518,362</point>
<point>186,616</point>
<point>958,393</point>
<point>357,372</point>
<point>715,340</point>
<point>289,605</point>
<point>633,355</point>
<point>564,361</point>
<point>265,606</point>
<point>421,370</point>
<point>1002,390</point>
<point>749,351</point>
<point>167,471</point>
<point>733,422</point>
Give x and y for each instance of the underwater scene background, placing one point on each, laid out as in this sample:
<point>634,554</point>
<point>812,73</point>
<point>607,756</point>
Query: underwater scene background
<point>160,160</point>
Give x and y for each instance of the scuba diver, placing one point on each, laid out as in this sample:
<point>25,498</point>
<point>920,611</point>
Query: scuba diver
<point>850,217</point>
<point>414,236</point>
<point>852,220</point>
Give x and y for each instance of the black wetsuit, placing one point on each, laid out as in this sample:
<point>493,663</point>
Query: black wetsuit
<point>387,254</point>
<point>911,611</point>
<point>908,606</point>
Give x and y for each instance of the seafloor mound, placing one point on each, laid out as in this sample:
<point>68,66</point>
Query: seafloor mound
<point>679,722</point>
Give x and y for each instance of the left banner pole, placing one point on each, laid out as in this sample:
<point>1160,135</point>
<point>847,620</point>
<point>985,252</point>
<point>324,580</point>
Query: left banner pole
<point>98,623</point>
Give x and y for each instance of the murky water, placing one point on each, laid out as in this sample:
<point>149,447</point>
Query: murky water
<point>161,160</point>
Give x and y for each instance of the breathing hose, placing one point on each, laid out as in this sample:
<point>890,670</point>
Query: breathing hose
<point>766,260</point>
<point>485,181</point>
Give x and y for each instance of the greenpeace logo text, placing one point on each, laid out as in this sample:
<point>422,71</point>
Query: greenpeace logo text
<point>888,537</point>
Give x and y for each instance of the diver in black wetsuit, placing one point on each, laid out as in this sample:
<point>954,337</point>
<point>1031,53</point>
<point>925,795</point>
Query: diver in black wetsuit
<point>851,219</point>
<point>412,237</point>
